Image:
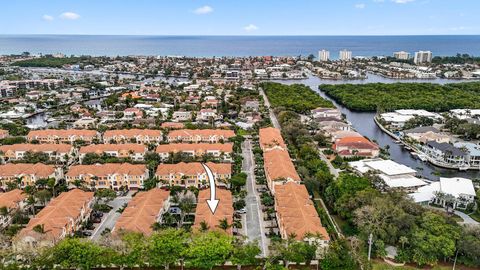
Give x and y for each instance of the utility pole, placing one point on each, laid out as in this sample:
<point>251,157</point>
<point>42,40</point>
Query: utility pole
<point>370,242</point>
<point>455,261</point>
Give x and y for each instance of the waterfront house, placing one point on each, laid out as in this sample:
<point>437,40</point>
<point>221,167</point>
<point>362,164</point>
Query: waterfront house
<point>27,174</point>
<point>62,136</point>
<point>425,134</point>
<point>193,174</point>
<point>297,216</point>
<point>473,153</point>
<point>110,175</point>
<point>146,208</point>
<point>63,216</point>
<point>140,136</point>
<point>222,151</point>
<point>326,112</point>
<point>356,146</point>
<point>200,135</point>
<point>393,175</point>
<point>136,152</point>
<point>445,154</point>
<point>455,192</point>
<point>58,152</point>
<point>224,210</point>
<point>13,201</point>
<point>85,123</point>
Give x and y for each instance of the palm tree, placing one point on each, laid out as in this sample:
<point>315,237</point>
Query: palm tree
<point>204,226</point>
<point>403,240</point>
<point>223,224</point>
<point>186,205</point>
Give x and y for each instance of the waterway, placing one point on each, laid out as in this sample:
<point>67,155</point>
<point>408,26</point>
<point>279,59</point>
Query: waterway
<point>363,123</point>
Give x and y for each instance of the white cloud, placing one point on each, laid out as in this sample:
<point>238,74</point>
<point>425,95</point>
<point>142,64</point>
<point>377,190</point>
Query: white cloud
<point>69,16</point>
<point>250,28</point>
<point>378,1</point>
<point>402,1</point>
<point>360,6</point>
<point>203,10</point>
<point>47,18</point>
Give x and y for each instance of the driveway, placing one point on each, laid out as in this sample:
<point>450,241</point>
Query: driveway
<point>273,118</point>
<point>254,227</point>
<point>110,218</point>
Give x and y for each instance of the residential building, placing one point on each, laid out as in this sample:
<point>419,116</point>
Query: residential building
<point>172,125</point>
<point>296,215</point>
<point>252,105</point>
<point>425,134</point>
<point>60,152</point>
<point>62,136</point>
<point>3,134</point>
<point>141,136</point>
<point>193,174</point>
<point>401,55</point>
<point>326,112</point>
<point>271,138</point>
<point>445,154</point>
<point>13,201</point>
<point>394,175</point>
<point>206,115</point>
<point>345,55</point>
<point>398,118</point>
<point>27,174</point>
<point>136,152</point>
<point>146,208</point>
<point>222,151</point>
<point>85,123</point>
<point>60,218</point>
<point>132,113</point>
<point>279,168</point>
<point>200,135</point>
<point>323,56</point>
<point>422,57</point>
<point>110,175</point>
<point>182,116</point>
<point>455,192</point>
<point>356,146</point>
<point>224,210</point>
<point>473,153</point>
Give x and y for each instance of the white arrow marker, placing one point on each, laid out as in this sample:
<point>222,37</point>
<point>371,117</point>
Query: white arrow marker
<point>213,202</point>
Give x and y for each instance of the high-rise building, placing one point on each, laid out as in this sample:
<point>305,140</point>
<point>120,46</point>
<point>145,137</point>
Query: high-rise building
<point>422,57</point>
<point>401,55</point>
<point>345,55</point>
<point>323,55</point>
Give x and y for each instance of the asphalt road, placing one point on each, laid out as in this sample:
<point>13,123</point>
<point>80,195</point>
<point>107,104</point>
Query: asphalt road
<point>110,218</point>
<point>254,227</point>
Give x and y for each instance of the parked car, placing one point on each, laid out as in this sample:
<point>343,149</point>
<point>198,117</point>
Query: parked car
<point>86,233</point>
<point>242,211</point>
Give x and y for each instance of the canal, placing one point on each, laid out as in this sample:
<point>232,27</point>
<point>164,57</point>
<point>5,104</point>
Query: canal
<point>364,124</point>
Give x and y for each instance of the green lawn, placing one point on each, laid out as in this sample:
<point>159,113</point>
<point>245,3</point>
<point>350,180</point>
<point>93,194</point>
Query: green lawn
<point>377,265</point>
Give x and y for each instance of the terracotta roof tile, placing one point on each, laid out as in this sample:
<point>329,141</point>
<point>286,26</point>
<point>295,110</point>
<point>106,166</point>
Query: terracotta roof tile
<point>224,209</point>
<point>11,198</point>
<point>107,169</point>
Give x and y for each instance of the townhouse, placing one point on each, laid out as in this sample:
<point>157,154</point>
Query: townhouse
<point>141,136</point>
<point>172,125</point>
<point>279,168</point>
<point>224,211</point>
<point>356,146</point>
<point>200,135</point>
<point>222,151</point>
<point>59,152</point>
<point>135,152</point>
<point>27,174</point>
<point>111,175</point>
<point>62,136</point>
<point>60,218</point>
<point>146,208</point>
<point>193,174</point>
<point>13,201</point>
<point>297,216</point>
<point>271,138</point>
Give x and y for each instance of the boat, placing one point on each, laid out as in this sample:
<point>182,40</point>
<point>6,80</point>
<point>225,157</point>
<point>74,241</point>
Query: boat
<point>464,168</point>
<point>422,157</point>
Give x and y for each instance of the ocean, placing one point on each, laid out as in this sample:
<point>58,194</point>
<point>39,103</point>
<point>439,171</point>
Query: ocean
<point>209,46</point>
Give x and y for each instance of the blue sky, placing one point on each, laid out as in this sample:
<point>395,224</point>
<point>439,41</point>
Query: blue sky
<point>240,17</point>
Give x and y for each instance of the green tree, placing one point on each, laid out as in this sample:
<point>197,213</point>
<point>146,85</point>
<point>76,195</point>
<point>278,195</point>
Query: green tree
<point>245,254</point>
<point>166,247</point>
<point>208,249</point>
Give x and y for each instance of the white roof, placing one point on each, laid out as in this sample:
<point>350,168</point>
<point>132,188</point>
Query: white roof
<point>457,186</point>
<point>395,117</point>
<point>425,193</point>
<point>387,167</point>
<point>403,182</point>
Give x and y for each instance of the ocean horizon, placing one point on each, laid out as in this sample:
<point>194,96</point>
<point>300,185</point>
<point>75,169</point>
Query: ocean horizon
<point>210,46</point>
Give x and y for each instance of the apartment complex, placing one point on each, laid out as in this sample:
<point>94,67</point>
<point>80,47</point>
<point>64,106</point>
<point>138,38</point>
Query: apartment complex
<point>345,55</point>
<point>111,175</point>
<point>422,57</point>
<point>59,219</point>
<point>12,200</point>
<point>62,135</point>
<point>222,151</point>
<point>224,210</point>
<point>135,152</point>
<point>323,55</point>
<point>143,211</point>
<point>58,152</point>
<point>193,174</point>
<point>401,55</point>
<point>270,138</point>
<point>27,174</point>
<point>145,136</point>
<point>200,135</point>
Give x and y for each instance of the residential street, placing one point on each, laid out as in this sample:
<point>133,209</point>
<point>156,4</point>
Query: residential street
<point>254,226</point>
<point>110,218</point>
